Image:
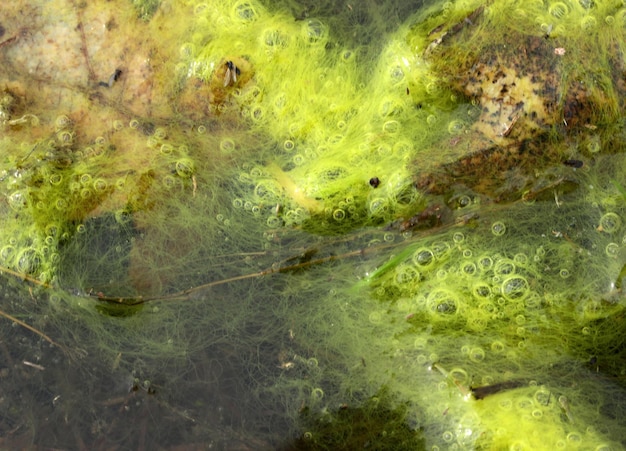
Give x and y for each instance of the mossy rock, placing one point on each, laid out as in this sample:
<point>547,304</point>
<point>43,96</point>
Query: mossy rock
<point>544,96</point>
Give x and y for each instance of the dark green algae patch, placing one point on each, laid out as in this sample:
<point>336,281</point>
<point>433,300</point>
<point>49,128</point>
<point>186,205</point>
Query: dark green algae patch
<point>314,227</point>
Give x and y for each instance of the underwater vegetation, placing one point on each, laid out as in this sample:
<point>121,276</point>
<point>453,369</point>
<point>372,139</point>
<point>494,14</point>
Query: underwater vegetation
<point>309,225</point>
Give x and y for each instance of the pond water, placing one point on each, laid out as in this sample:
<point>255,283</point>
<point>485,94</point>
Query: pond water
<point>251,225</point>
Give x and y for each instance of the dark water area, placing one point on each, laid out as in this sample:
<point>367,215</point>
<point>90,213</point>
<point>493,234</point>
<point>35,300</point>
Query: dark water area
<point>246,225</point>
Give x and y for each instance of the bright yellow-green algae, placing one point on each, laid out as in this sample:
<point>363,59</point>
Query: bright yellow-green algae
<point>528,294</point>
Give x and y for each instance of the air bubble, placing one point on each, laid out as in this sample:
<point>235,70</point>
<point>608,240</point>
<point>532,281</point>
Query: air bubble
<point>55,179</point>
<point>289,145</point>
<point>391,127</point>
<point>574,437</point>
<point>447,436</point>
<point>29,261</point>
<point>610,223</point>
<point>339,214</point>
<point>166,149</point>
<point>267,191</point>
<point>347,56</point>
<point>477,355</point>
<point>160,133</point>
<point>588,23</point>
<point>504,267</point>
<point>469,269</point>
<point>314,30</point>
<point>60,204</point>
<point>515,288</point>
<point>423,258</point>
<point>100,185</point>
<point>184,168</point>
<point>459,375</point>
<point>498,228</point>
<point>85,179</point>
<point>7,253</point>
<point>257,114</point>
<point>542,396</point>
<point>273,222</point>
<point>442,303</point>
<point>558,10</point>
<point>17,200</point>
<point>375,317</point>
<point>245,12</point>
<point>169,182</point>
<point>464,201</point>
<point>520,259</point>
<point>441,249</point>
<point>65,138</point>
<point>317,393</point>
<point>298,159</point>
<point>378,206</point>
<point>481,291</point>
<point>485,263</point>
<point>612,250</point>
<point>455,127</point>
<point>62,122</point>
<point>406,274</point>
<point>120,184</point>
<point>593,146</point>
<point>227,145</point>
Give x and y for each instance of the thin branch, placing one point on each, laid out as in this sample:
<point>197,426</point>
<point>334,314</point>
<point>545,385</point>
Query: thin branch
<point>31,328</point>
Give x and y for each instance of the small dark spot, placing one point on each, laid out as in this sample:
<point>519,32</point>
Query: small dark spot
<point>2,31</point>
<point>483,392</point>
<point>147,128</point>
<point>374,182</point>
<point>573,163</point>
<point>110,25</point>
<point>593,360</point>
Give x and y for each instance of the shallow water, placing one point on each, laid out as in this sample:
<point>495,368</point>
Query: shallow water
<point>236,225</point>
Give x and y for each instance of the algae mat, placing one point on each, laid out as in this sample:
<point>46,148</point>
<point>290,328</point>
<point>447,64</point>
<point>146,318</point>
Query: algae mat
<point>312,225</point>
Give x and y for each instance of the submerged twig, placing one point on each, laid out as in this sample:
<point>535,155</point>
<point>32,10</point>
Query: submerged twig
<point>31,328</point>
<point>487,390</point>
<point>185,294</point>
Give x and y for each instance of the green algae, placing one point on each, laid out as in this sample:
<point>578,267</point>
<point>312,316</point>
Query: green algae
<point>267,262</point>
